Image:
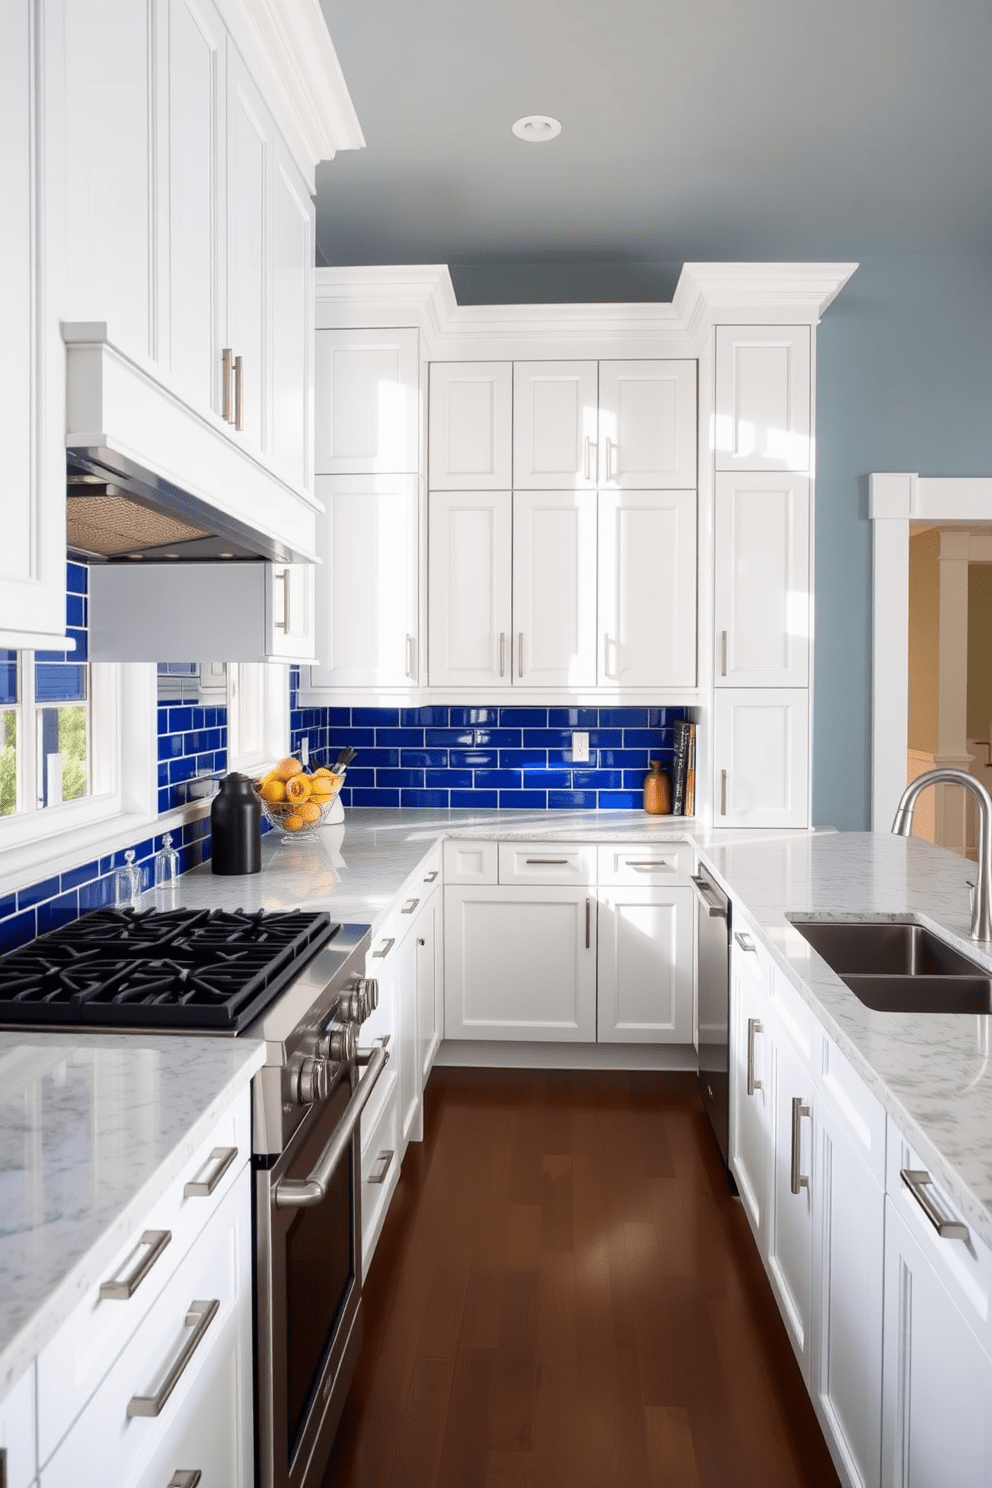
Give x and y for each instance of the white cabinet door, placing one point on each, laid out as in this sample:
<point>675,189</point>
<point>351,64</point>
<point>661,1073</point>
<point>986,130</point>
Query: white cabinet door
<point>249,146</point>
<point>789,1226</point>
<point>32,359</point>
<point>849,1253</point>
<point>645,966</point>
<point>289,367</point>
<point>647,588</point>
<point>937,1381</point>
<point>763,412</point>
<point>647,424</point>
<point>429,1011</point>
<point>761,580</point>
<point>289,598</point>
<point>554,588</point>
<point>407,1050</point>
<point>191,52</point>
<point>469,594</point>
<point>750,1079</point>
<point>367,402</point>
<point>554,425</point>
<point>366,607</point>
<point>470,423</point>
<point>18,1432</point>
<point>520,964</point>
<point>761,757</point>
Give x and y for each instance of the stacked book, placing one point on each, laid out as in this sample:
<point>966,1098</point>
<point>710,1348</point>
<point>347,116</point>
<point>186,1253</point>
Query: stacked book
<point>684,770</point>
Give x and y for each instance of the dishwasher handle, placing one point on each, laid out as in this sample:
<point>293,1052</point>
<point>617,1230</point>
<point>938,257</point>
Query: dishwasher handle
<point>715,907</point>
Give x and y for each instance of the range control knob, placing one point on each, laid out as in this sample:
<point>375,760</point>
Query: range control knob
<point>340,1045</point>
<point>312,1082</point>
<point>359,1001</point>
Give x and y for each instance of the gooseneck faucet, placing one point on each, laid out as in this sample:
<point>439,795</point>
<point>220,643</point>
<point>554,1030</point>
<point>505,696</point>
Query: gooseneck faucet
<point>981,913</point>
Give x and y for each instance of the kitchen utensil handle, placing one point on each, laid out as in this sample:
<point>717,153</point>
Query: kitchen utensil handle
<point>745,942</point>
<point>227,372</point>
<point>411,658</point>
<point>723,653</point>
<point>502,653</point>
<point>239,406</point>
<point>715,910</point>
<point>382,1165</point>
<point>754,1027</point>
<point>121,1288</point>
<point>723,792</point>
<point>304,1193</point>
<point>588,924</point>
<point>223,1157</point>
<point>918,1180</point>
<point>798,1179</point>
<point>199,1317</point>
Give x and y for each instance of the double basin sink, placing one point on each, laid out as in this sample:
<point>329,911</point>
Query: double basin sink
<point>899,967</point>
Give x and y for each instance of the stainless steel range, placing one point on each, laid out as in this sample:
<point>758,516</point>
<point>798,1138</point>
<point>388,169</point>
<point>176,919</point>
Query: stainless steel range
<point>293,979</point>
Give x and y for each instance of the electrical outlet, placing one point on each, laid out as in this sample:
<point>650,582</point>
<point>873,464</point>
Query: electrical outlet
<point>305,751</point>
<point>580,748</point>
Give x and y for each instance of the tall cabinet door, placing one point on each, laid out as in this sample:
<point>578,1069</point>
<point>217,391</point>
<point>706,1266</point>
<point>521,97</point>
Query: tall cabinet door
<point>647,424</point>
<point>789,1234</point>
<point>763,404</point>
<point>761,757</point>
<point>290,351</point>
<point>249,147</point>
<point>750,1079</point>
<point>366,622</point>
<point>555,425</point>
<point>761,583</point>
<point>554,588</point>
<point>470,423</point>
<point>644,992</point>
<point>469,595</point>
<point>647,588</point>
<point>368,405</point>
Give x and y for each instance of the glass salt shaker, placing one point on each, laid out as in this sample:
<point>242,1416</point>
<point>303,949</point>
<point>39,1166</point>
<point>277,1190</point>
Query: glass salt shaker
<point>166,865</point>
<point>127,885</point>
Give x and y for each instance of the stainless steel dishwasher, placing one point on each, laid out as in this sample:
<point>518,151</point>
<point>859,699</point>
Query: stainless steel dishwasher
<point>713,984</point>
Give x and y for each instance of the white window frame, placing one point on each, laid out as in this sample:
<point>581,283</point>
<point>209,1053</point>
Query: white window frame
<point>257,714</point>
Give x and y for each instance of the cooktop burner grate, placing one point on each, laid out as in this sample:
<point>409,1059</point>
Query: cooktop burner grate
<point>172,969</point>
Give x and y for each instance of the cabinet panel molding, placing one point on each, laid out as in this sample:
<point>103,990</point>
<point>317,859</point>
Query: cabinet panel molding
<point>470,424</point>
<point>763,407</point>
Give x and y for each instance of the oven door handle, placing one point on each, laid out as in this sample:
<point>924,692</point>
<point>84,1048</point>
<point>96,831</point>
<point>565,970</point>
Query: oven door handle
<point>303,1193</point>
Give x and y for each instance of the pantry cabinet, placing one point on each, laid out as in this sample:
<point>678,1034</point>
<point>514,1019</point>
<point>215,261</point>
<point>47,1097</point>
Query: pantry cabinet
<point>761,757</point>
<point>647,588</point>
<point>763,405</point>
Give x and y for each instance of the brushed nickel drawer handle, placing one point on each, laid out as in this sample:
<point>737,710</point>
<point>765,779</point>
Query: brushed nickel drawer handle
<point>199,1317</point>
<point>918,1180</point>
<point>202,1188</point>
<point>284,624</point>
<point>723,792</point>
<point>547,862</point>
<point>588,924</point>
<point>409,906</point>
<point>520,654</point>
<point>239,365</point>
<point>382,1165</point>
<point>745,942</point>
<point>120,1288</point>
<point>183,1478</point>
<point>754,1026</point>
<point>430,877</point>
<point>386,948</point>
<point>646,867</point>
<point>799,1180</point>
<point>502,653</point>
<point>723,653</point>
<point>227,371</point>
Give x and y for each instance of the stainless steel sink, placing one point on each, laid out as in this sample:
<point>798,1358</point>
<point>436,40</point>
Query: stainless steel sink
<point>899,967</point>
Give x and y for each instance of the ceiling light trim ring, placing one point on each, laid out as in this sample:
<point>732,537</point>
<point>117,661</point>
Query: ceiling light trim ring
<point>537,129</point>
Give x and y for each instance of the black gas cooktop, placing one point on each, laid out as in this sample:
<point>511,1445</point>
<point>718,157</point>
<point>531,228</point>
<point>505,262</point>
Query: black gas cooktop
<point>212,970</point>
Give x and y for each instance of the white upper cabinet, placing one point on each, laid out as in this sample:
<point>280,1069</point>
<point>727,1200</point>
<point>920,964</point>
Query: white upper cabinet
<point>290,360</point>
<point>647,424</point>
<point>367,633</point>
<point>469,589</point>
<point>554,589</point>
<point>647,588</point>
<point>32,377</point>
<point>470,422</point>
<point>761,757</point>
<point>249,150</point>
<point>763,409</point>
<point>555,421</point>
<point>368,405</point>
<point>761,580</point>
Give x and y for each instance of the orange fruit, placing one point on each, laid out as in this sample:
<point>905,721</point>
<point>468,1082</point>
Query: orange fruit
<point>271,775</point>
<point>308,812</point>
<point>322,771</point>
<point>273,790</point>
<point>292,823</point>
<point>298,788</point>
<point>287,768</point>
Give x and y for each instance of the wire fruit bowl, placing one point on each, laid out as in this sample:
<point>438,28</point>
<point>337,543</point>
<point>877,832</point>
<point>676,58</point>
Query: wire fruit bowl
<point>296,818</point>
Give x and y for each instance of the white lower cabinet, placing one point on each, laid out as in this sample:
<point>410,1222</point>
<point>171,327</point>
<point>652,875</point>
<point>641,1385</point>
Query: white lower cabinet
<point>380,1163</point>
<point>17,1432</point>
<point>430,1011</point>
<point>750,1078</point>
<point>520,963</point>
<point>644,990</point>
<point>789,1227</point>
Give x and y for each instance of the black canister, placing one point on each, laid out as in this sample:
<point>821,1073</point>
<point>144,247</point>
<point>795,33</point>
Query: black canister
<point>236,827</point>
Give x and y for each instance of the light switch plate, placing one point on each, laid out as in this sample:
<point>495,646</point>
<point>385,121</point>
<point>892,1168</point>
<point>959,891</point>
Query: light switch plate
<point>580,748</point>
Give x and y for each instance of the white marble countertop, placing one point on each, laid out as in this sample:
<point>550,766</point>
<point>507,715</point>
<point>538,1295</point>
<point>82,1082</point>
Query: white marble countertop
<point>93,1130</point>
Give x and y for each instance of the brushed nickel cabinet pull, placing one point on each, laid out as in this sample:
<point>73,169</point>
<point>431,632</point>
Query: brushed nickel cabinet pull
<point>502,653</point>
<point>183,1477</point>
<point>547,862</point>
<point>611,474</point>
<point>520,654</point>
<point>723,653</point>
<point>430,877</point>
<point>588,924</point>
<point>199,1317</point>
<point>382,1165</point>
<point>745,942</point>
<point>121,1288</point>
<point>387,946</point>
<point>798,1179</point>
<point>918,1180</point>
<point>411,658</point>
<point>201,1189</point>
<point>409,906</point>
<point>227,372</point>
<point>239,393</point>
<point>723,792</point>
<point>283,624</point>
<point>754,1026</point>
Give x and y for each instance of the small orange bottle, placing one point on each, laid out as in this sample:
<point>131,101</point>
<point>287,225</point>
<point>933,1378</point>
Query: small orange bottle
<point>657,790</point>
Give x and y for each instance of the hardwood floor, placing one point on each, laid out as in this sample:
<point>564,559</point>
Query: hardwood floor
<point>565,1293</point>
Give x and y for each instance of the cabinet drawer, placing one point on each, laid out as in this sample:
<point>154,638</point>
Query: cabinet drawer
<point>380,1165</point>
<point>853,1106</point>
<point>17,1421</point>
<point>470,862</point>
<point>749,959</point>
<point>546,863</point>
<point>795,1017</point>
<point>73,1364</point>
<point>106,1444</point>
<point>964,1266</point>
<point>644,864</point>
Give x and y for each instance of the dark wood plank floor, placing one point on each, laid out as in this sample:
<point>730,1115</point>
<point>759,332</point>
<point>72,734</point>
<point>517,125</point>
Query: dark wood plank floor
<point>565,1293</point>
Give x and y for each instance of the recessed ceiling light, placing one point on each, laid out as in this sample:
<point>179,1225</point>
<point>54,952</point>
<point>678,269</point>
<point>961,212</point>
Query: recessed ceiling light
<point>537,128</point>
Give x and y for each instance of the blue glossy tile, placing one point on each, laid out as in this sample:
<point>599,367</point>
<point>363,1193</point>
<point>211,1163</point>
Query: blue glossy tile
<point>664,717</point>
<point>475,800</point>
<point>58,912</point>
<point>598,780</point>
<point>601,738</point>
<point>75,610</point>
<point>498,738</point>
<point>582,718</point>
<point>196,831</point>
<point>76,578</point>
<point>498,779</point>
<point>520,759</point>
<point>373,758</point>
<point>641,739</point>
<point>436,800</point>
<point>357,738</point>
<point>106,864</point>
<point>8,681</point>
<point>51,656</point>
<point>162,720</point>
<point>73,877</point>
<point>397,738</point>
<point>142,850</point>
<point>375,717</point>
<point>198,718</point>
<point>523,800</point>
<point>205,763</point>
<point>424,717</point>
<point>82,640</point>
<point>399,778</point>
<point>547,739</point>
<point>573,800</point>
<point>170,746</point>
<point>532,718</point>
<point>623,718</point>
<point>8,905</point>
<point>196,743</point>
<point>547,779</point>
<point>180,770</point>
<point>449,779</point>
<point>412,758</point>
<point>473,759</point>
<point>459,717</point>
<point>375,798</point>
<point>180,719</point>
<point>47,889</point>
<point>452,738</point>
<point>17,931</point>
<point>336,717</point>
<point>633,779</point>
<point>627,759</point>
<point>621,801</point>
<point>358,776</point>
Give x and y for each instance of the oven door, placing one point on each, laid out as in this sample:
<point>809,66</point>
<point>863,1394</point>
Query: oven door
<point>308,1285</point>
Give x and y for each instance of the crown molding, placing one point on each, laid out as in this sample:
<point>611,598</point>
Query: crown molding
<point>368,295</point>
<point>708,293</point>
<point>289,53</point>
